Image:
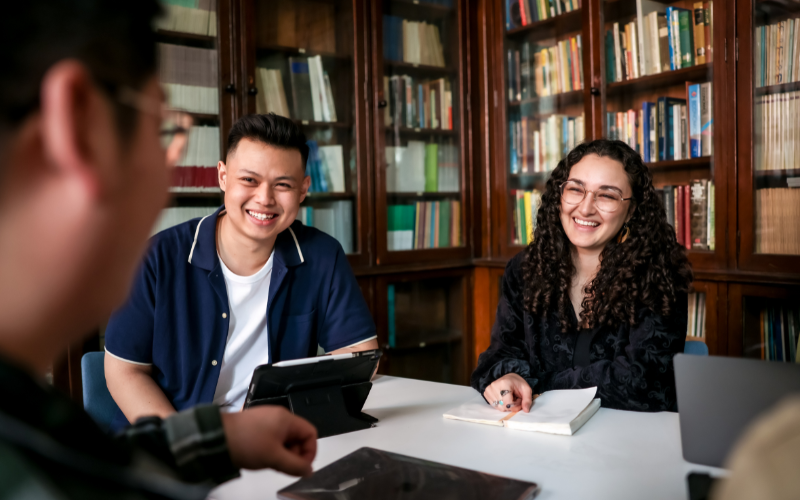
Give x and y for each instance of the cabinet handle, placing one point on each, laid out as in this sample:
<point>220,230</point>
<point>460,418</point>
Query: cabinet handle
<point>382,103</point>
<point>252,91</point>
<point>595,91</point>
<point>230,88</point>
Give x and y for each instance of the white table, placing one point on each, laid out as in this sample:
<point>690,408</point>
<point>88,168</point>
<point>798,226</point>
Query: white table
<point>617,454</point>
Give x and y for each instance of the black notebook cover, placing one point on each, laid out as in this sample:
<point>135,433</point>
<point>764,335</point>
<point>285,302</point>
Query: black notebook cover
<point>368,474</point>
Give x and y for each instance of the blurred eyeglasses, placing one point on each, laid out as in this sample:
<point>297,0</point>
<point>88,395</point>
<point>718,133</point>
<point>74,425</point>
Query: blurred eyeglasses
<point>606,200</point>
<point>175,124</point>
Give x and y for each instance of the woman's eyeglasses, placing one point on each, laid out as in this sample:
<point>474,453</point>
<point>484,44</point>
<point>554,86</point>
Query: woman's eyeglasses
<point>606,200</point>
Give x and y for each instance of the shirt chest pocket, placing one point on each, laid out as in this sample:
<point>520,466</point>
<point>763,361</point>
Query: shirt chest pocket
<point>298,335</point>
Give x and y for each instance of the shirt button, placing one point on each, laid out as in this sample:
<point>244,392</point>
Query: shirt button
<point>214,362</point>
<point>224,315</point>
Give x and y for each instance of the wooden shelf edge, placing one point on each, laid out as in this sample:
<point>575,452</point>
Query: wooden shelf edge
<point>703,161</point>
<point>663,79</point>
<point>418,67</point>
<point>311,123</point>
<point>697,339</point>
<point>777,173</point>
<point>435,341</point>
<point>422,4</point>
<point>421,131</point>
<point>302,51</point>
<point>186,36</point>
<point>546,23</point>
<point>564,98</point>
<point>777,89</point>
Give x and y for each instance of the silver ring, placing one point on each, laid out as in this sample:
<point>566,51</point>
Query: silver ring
<point>504,392</point>
<point>498,403</point>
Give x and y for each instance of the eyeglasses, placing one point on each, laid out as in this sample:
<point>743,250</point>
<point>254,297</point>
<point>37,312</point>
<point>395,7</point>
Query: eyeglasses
<point>175,124</point>
<point>606,200</point>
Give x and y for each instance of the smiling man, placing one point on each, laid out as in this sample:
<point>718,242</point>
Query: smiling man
<point>247,285</point>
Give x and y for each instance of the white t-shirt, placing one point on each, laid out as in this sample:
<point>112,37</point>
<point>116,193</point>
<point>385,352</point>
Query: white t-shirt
<point>248,339</point>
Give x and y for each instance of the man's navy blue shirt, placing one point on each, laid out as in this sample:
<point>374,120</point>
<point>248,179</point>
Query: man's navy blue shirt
<point>176,318</point>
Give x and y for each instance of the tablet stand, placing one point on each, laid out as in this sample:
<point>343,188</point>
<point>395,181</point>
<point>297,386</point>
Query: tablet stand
<point>333,409</point>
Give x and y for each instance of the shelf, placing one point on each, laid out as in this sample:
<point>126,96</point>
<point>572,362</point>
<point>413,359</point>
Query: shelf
<point>186,192</point>
<point>299,51</point>
<point>773,178</point>
<point>571,21</point>
<point>419,10</point>
<point>306,123</point>
<point>427,195</point>
<point>203,117</point>
<point>420,132</point>
<point>312,197</point>
<point>698,73</point>
<point>400,67</point>
<point>702,162</point>
<point>427,339</point>
<point>181,38</point>
<point>553,101</point>
<point>696,339</point>
<point>777,89</point>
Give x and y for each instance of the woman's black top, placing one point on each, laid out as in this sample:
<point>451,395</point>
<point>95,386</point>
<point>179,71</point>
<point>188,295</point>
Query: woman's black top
<point>631,366</point>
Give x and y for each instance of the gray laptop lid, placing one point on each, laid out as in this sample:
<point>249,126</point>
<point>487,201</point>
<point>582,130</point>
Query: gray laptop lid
<point>719,396</point>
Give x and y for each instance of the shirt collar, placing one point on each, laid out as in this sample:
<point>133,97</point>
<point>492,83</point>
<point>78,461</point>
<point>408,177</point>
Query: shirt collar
<point>203,252</point>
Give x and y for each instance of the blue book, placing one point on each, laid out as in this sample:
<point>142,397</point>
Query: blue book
<point>647,129</point>
<point>565,135</point>
<point>432,222</point>
<point>669,39</point>
<point>508,14</point>
<point>387,37</point>
<point>695,130</point>
<point>513,147</point>
<point>390,313</point>
<point>669,125</point>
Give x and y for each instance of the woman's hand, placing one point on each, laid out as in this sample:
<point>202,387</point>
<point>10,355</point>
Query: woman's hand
<point>519,395</point>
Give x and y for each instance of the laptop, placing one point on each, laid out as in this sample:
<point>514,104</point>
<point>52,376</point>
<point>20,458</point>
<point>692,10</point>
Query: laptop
<point>718,397</point>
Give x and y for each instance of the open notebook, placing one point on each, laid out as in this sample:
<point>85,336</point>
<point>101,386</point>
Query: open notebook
<point>554,412</point>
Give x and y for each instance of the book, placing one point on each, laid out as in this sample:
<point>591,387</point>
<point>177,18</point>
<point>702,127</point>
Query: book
<point>699,214</point>
<point>699,19</point>
<point>706,119</point>
<point>560,412</point>
<point>198,17</point>
<point>190,77</point>
<point>301,89</point>
<point>693,98</point>
<point>644,9</point>
<point>686,43</point>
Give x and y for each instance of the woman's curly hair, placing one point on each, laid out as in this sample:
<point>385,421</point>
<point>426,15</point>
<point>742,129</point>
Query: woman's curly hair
<point>648,269</point>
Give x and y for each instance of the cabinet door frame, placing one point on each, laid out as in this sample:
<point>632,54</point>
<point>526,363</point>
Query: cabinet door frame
<point>737,292</point>
<point>247,65</point>
<point>743,236</point>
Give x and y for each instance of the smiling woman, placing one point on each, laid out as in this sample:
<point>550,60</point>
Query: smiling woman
<point>599,297</point>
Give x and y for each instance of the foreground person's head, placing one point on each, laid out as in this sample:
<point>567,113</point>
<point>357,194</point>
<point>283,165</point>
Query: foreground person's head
<point>82,170</point>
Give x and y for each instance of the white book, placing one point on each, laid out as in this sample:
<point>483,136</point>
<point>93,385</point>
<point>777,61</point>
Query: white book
<point>655,49</point>
<point>315,78</point>
<point>322,92</point>
<point>617,54</point>
<point>329,93</point>
<point>643,9</point>
<point>635,49</point>
<point>324,220</point>
<point>411,169</point>
<point>676,131</point>
<point>333,163</point>
<point>560,412</point>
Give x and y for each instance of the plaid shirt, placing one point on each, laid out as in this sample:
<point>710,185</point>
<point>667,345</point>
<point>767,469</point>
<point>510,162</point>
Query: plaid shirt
<point>51,449</point>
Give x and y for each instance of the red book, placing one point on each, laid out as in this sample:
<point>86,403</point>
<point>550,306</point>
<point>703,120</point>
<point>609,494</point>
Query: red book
<point>679,220</point>
<point>687,214</point>
<point>522,15</point>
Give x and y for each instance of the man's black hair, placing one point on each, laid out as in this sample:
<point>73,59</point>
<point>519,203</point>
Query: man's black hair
<point>113,39</point>
<point>270,129</point>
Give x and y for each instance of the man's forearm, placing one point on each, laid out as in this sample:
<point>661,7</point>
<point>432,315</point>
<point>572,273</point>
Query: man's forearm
<point>135,391</point>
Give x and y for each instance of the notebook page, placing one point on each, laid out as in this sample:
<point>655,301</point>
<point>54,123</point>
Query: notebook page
<point>477,410</point>
<point>557,407</point>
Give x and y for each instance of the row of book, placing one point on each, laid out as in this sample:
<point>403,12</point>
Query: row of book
<point>189,16</point>
<point>194,179</point>
<point>697,315</point>
<point>545,71</point>
<point>691,211</point>
<point>325,166</point>
<point>419,167</point>
<point>524,12</point>
<point>425,224</point>
<point>659,39</point>
<point>312,94</point>
<point>779,333</point>
<point>526,204</point>
<point>203,147</point>
<point>190,77</point>
<point>412,42</point>
<point>426,104</point>
<point>777,53</point>
<point>668,129</point>
<point>776,132</point>
<point>173,216</point>
<point>334,218</point>
<point>777,216</point>
<point>538,145</point>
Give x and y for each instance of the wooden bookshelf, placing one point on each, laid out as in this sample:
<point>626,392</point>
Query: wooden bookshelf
<point>299,51</point>
<point>571,21</point>
<point>421,132</point>
<point>203,117</point>
<point>692,163</point>
<point>421,70</point>
<point>313,124</point>
<point>420,10</point>
<point>697,74</point>
<point>423,195</point>
<point>552,101</point>
<point>777,89</point>
<point>322,197</point>
<point>190,39</point>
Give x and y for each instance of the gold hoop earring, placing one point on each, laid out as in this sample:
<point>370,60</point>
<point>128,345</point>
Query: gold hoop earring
<point>623,235</point>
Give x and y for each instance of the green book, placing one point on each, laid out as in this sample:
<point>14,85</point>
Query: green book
<point>687,47</point>
<point>521,222</point>
<point>444,224</point>
<point>610,62</point>
<point>431,167</point>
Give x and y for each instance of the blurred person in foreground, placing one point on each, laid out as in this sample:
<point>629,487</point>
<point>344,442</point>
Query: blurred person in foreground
<point>83,175</point>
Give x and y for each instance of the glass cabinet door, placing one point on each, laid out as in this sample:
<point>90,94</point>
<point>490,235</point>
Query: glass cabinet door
<point>659,74</point>
<point>189,66</point>
<point>542,60</point>
<point>302,64</point>
<point>420,182</point>
<point>770,173</point>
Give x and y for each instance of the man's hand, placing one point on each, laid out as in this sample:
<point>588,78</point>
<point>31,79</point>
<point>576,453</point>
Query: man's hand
<point>519,395</point>
<point>270,437</point>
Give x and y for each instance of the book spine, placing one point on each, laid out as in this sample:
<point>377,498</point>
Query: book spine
<point>707,31</point>
<point>694,121</point>
<point>671,37</point>
<point>699,215</point>
<point>687,233</point>
<point>699,33</point>
<point>679,215</point>
<point>706,119</point>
